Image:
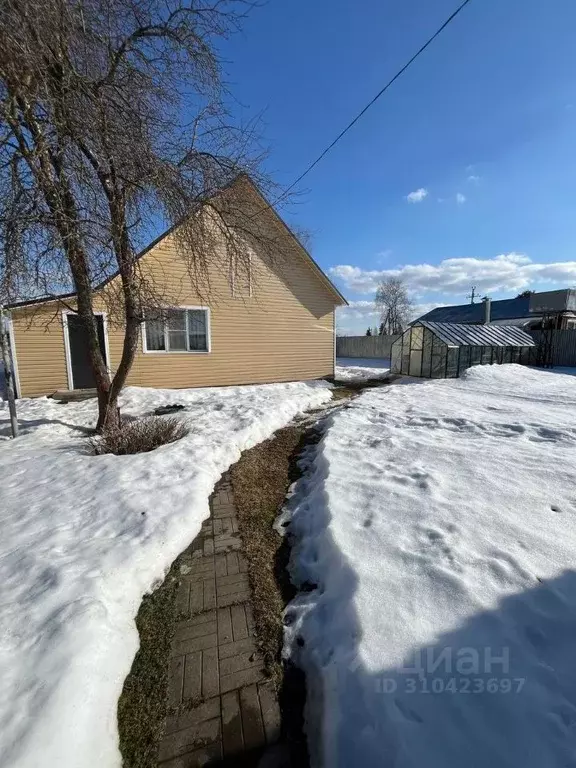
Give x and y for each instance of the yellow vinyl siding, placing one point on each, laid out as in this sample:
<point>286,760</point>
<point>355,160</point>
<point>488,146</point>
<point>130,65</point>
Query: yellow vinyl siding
<point>39,341</point>
<point>284,331</point>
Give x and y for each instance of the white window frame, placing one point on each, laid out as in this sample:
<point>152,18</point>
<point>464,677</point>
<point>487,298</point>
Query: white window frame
<point>206,351</point>
<point>65,313</point>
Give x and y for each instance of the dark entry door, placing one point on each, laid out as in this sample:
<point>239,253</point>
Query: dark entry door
<point>82,376</point>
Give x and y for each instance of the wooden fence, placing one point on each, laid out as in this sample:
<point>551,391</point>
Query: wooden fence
<point>563,346</point>
<point>364,346</point>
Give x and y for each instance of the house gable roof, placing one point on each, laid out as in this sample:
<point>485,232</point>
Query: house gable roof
<point>266,206</point>
<point>304,252</point>
<point>502,309</point>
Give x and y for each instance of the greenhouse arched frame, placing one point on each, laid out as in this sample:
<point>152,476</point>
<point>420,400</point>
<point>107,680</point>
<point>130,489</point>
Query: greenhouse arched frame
<point>443,350</point>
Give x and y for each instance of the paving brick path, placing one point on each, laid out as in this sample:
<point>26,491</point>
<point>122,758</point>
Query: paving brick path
<point>222,709</point>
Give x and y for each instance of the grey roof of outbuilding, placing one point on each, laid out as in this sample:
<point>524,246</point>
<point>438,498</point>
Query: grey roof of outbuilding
<point>460,335</point>
<point>500,309</point>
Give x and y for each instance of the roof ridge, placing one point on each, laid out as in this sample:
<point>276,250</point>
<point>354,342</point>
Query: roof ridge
<point>316,268</point>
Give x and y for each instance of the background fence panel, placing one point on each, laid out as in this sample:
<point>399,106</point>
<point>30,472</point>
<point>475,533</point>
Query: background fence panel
<point>563,346</point>
<point>364,346</point>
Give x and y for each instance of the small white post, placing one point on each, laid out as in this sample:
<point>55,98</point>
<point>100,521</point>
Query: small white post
<point>8,373</point>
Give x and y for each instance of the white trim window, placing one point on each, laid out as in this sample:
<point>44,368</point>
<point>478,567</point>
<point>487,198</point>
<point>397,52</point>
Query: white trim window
<point>183,329</point>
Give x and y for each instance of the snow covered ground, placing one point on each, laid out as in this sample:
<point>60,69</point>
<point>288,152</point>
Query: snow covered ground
<point>361,369</point>
<point>84,537</point>
<point>439,523</point>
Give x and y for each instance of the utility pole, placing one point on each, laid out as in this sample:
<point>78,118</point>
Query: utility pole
<point>8,373</point>
<point>472,295</point>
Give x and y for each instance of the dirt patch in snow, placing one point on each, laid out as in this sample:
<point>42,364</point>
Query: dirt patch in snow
<point>260,480</point>
<point>142,704</point>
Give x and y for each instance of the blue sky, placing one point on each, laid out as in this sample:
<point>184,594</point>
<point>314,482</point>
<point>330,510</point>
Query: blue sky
<point>484,122</point>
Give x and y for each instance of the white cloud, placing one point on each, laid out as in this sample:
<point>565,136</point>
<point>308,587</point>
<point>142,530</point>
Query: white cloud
<point>460,198</point>
<point>359,309</point>
<point>473,179</point>
<point>417,196</point>
<point>506,273</point>
<point>356,317</point>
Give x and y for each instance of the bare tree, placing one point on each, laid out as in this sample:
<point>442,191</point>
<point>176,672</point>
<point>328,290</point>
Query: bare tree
<point>304,235</point>
<point>113,124</point>
<point>393,304</point>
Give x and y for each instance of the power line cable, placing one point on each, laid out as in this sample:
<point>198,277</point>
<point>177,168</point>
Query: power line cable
<point>380,93</point>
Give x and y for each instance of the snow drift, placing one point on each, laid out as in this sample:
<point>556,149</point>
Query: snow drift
<point>438,521</point>
<point>84,537</point>
<point>356,369</point>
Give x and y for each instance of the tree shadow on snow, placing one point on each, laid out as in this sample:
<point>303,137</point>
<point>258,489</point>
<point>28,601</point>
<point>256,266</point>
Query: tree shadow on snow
<point>28,425</point>
<point>499,691</point>
<point>565,370</point>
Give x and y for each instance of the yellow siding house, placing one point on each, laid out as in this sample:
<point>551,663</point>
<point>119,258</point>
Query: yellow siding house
<point>277,326</point>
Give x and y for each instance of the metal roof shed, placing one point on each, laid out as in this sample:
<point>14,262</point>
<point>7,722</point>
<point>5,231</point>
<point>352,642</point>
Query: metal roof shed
<point>444,350</point>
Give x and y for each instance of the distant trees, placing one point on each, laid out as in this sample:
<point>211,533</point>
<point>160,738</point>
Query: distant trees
<point>394,305</point>
<point>525,294</point>
<point>369,332</point>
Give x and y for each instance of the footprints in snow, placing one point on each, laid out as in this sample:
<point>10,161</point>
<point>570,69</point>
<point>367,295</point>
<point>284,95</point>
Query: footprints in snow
<point>438,546</point>
<point>435,544</point>
<point>534,432</point>
<point>414,477</point>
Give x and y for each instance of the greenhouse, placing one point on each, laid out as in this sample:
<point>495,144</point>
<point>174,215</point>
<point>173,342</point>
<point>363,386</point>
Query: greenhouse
<point>444,350</point>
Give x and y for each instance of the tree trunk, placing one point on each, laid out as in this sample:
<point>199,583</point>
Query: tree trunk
<point>108,410</point>
<point>108,415</point>
<point>46,165</point>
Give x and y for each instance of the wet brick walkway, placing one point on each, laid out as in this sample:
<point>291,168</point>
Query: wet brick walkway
<point>222,709</point>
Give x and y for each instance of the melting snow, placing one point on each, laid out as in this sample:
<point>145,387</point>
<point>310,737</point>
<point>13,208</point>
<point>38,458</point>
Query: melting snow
<point>438,520</point>
<point>361,369</point>
<point>84,537</point>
